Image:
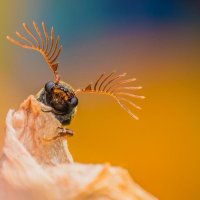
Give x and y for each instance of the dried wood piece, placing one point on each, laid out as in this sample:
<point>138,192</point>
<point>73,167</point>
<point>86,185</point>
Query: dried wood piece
<point>33,168</point>
<point>35,130</point>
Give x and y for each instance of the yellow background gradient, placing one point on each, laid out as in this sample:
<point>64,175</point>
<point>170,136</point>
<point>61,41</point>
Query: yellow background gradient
<point>162,149</point>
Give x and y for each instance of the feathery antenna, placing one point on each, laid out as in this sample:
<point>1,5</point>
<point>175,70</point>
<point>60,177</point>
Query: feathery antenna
<point>42,44</point>
<point>111,85</point>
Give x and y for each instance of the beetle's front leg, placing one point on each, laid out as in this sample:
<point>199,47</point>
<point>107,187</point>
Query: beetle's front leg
<point>65,132</point>
<point>49,109</point>
<point>62,132</point>
<point>46,108</point>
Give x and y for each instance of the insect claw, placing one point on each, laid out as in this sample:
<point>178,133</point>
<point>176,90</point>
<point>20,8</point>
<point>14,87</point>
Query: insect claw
<point>65,132</point>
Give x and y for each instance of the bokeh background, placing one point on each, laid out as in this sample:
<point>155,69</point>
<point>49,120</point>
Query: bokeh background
<point>158,42</point>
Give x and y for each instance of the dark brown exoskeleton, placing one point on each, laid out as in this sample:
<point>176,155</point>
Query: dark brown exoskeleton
<point>59,97</point>
<point>62,101</point>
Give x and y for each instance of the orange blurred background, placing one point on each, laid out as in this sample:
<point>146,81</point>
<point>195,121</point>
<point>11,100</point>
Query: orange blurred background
<point>162,149</point>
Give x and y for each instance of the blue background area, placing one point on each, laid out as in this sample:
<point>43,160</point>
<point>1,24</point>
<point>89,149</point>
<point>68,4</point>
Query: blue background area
<point>77,19</point>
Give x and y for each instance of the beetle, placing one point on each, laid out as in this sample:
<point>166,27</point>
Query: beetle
<point>58,95</point>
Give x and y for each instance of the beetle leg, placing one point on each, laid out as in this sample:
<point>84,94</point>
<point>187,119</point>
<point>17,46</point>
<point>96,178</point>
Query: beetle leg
<point>49,109</point>
<point>61,133</point>
<point>46,109</point>
<point>65,132</point>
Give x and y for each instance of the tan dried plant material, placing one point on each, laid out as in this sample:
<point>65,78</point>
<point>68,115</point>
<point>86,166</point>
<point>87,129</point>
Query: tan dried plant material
<point>35,166</point>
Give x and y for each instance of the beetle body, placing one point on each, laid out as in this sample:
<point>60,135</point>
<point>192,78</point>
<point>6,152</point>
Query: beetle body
<point>61,99</point>
<point>59,96</point>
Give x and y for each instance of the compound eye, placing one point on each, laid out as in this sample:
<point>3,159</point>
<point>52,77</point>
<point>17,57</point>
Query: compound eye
<point>74,101</point>
<point>49,87</point>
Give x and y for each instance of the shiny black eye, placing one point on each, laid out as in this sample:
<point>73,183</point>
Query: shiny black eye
<point>49,87</point>
<point>74,101</point>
